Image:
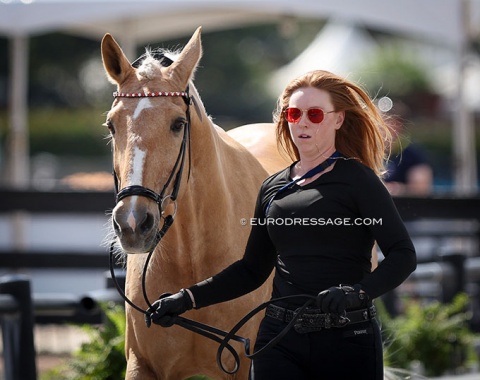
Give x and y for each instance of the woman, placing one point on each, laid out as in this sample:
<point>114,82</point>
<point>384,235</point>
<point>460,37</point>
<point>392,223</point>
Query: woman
<point>316,222</point>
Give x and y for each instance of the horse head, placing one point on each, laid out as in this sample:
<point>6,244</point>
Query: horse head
<point>150,110</point>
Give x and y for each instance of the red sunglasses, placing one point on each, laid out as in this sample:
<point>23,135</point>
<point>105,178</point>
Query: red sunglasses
<point>315,115</point>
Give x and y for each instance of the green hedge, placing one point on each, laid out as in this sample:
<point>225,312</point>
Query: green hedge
<point>434,334</point>
<point>63,131</point>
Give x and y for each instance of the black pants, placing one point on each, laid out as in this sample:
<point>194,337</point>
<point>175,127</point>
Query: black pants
<point>350,352</point>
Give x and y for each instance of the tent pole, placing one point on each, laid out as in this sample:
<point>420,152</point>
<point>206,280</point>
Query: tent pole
<point>465,166</point>
<point>17,147</point>
<point>128,40</point>
<point>18,144</point>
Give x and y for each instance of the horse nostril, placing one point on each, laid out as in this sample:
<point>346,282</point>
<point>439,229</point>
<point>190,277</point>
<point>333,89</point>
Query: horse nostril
<point>147,223</point>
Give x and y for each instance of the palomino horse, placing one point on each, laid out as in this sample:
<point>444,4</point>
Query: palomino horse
<point>260,140</point>
<point>156,106</point>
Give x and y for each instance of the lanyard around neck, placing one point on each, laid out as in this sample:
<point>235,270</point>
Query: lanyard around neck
<point>312,172</point>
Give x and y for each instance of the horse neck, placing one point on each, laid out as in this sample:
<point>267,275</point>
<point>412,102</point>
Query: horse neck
<point>183,251</point>
<point>207,145</point>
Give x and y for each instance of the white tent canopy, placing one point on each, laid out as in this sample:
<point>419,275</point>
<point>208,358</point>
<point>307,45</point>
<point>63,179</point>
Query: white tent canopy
<point>134,22</point>
<point>344,47</point>
<point>339,47</point>
<point>439,20</point>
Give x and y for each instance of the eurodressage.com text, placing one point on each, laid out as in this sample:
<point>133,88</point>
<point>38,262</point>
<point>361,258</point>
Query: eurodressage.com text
<point>314,222</point>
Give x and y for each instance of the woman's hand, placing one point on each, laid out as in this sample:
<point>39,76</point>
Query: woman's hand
<point>338,299</point>
<point>164,311</point>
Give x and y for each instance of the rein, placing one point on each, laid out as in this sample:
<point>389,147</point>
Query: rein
<point>210,332</point>
<point>219,336</point>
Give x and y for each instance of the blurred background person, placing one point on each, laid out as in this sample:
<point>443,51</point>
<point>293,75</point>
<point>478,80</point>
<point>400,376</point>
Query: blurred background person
<point>409,171</point>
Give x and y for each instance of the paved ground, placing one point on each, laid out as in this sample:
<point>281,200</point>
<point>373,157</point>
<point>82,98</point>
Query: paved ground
<point>410,376</point>
<point>46,362</point>
<point>43,362</point>
<point>54,343</point>
<point>472,376</point>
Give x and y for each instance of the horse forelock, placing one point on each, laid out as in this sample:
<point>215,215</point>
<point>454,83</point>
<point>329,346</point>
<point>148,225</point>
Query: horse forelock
<point>151,65</point>
<point>149,68</point>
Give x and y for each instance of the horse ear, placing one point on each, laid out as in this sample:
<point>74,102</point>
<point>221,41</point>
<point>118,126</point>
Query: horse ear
<point>186,63</point>
<point>115,62</point>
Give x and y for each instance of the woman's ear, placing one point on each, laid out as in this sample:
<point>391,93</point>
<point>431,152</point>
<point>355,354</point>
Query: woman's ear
<point>339,120</point>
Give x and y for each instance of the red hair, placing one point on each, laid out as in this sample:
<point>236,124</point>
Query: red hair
<point>364,133</point>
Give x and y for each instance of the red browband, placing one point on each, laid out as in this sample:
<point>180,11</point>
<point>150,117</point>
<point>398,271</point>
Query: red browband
<point>117,94</point>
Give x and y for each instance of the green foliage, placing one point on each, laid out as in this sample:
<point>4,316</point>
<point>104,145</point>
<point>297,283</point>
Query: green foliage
<point>64,131</point>
<point>68,131</point>
<point>435,334</point>
<point>395,72</point>
<point>102,358</point>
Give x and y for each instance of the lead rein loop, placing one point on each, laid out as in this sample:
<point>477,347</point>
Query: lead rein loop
<point>231,334</point>
<point>194,326</point>
<point>209,331</point>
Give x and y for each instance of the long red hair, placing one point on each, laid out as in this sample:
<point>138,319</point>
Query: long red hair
<point>364,134</point>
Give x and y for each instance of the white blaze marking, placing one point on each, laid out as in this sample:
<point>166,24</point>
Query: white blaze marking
<point>135,178</point>
<point>138,159</point>
<point>144,103</point>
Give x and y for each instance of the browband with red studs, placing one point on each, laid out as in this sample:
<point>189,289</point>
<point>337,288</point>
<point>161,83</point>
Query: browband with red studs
<point>117,94</point>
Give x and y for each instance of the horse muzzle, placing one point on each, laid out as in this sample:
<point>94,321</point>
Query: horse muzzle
<point>136,223</point>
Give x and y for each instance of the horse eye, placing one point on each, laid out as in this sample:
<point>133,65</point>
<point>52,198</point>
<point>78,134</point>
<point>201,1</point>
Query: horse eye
<point>110,126</point>
<point>178,125</point>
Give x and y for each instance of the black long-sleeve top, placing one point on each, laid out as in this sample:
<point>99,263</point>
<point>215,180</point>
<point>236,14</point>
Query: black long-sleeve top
<point>317,236</point>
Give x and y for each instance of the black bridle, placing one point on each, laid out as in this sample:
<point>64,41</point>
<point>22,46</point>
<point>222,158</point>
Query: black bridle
<point>219,336</point>
<point>177,172</point>
<point>175,177</point>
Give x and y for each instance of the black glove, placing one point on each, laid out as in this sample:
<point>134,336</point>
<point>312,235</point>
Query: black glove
<point>164,311</point>
<point>337,299</point>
